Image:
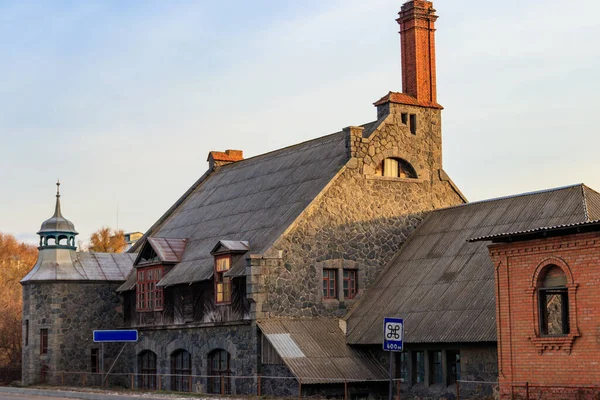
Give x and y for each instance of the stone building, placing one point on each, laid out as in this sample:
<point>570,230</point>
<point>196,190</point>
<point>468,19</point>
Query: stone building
<point>547,299</point>
<point>283,265</point>
<point>57,335</point>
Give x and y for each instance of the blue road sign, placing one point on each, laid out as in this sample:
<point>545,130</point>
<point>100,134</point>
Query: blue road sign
<point>127,335</point>
<point>393,334</point>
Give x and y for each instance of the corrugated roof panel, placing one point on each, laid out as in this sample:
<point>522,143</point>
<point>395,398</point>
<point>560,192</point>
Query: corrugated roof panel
<point>320,354</point>
<point>285,345</point>
<point>452,279</point>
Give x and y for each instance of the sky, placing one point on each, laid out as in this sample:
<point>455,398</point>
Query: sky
<point>123,100</point>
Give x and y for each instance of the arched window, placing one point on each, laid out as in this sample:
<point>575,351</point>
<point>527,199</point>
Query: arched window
<point>218,372</point>
<point>553,302</point>
<point>396,168</point>
<point>181,371</point>
<point>147,370</point>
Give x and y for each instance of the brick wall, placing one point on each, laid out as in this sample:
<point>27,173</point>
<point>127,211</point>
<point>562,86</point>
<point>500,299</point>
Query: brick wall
<point>564,365</point>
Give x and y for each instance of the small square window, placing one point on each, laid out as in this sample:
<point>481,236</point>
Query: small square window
<point>404,118</point>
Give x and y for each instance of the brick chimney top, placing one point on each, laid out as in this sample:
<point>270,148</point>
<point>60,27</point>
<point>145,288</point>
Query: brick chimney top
<point>219,158</point>
<point>417,38</point>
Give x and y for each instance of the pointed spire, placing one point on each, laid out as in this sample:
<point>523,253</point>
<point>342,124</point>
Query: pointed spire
<point>57,212</point>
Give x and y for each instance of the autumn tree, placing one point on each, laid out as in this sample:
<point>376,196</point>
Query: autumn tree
<point>16,259</point>
<point>106,240</point>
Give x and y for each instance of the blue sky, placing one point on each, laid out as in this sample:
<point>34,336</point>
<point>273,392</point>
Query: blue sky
<point>123,100</point>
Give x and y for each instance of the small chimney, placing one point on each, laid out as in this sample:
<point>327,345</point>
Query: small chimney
<point>417,36</point>
<point>218,158</point>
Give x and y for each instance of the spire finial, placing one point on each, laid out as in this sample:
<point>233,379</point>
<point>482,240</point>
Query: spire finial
<point>58,188</point>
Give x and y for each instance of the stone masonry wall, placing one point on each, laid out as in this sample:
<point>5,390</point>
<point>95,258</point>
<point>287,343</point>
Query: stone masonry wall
<point>361,219</point>
<point>70,312</point>
<point>239,340</point>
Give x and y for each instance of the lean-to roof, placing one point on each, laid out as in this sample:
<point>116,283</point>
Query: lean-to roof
<point>253,200</point>
<point>443,285</point>
<point>315,350</point>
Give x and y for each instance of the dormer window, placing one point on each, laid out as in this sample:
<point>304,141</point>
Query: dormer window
<point>149,295</point>
<point>222,282</point>
<point>396,168</point>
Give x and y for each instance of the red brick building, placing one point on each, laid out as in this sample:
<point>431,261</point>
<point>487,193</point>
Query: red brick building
<point>548,311</point>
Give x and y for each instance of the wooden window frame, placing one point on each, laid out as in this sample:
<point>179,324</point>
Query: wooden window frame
<point>44,341</point>
<point>181,371</point>
<point>149,296</point>
<point>147,370</point>
<point>419,373</point>
<point>219,377</point>
<point>326,281</point>
<point>352,281</point>
<point>221,279</point>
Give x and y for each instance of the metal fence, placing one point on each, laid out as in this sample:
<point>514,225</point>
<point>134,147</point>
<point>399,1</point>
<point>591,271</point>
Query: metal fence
<point>258,385</point>
<point>538,391</point>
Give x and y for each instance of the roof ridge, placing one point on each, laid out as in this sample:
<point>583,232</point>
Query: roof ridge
<point>555,189</point>
<point>281,149</point>
<point>584,200</point>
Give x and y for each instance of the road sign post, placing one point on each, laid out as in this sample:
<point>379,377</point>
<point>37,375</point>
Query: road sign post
<point>114,336</point>
<point>393,340</point>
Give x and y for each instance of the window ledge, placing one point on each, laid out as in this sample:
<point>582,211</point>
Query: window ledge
<point>545,343</point>
<point>392,179</point>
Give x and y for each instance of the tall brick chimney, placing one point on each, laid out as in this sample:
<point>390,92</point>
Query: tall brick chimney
<point>417,36</point>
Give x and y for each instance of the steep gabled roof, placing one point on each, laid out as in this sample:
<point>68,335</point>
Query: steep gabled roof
<point>253,200</point>
<point>443,285</point>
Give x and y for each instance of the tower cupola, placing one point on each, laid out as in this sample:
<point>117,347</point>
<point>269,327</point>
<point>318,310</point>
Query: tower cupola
<point>57,232</point>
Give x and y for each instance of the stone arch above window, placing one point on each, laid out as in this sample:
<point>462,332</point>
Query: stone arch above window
<point>393,167</point>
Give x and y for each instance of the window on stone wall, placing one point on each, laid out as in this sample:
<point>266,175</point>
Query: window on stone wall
<point>350,283</point>
<point>95,361</point>
<point>222,282</point>
<point>413,124</point>
<point>150,297</point>
<point>553,300</point>
<point>453,363</point>
<point>218,380</point>
<point>329,284</point>
<point>397,168</point>
<point>26,332</point>
<point>435,366</point>
<point>418,364</point>
<point>43,341</point>
<point>181,371</point>
<point>146,378</point>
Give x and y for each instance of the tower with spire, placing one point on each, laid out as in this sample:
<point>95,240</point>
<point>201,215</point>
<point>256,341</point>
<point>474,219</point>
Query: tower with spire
<point>57,232</point>
<point>66,295</point>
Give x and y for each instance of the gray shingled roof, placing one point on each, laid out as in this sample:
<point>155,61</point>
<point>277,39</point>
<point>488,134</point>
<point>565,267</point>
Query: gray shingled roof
<point>67,265</point>
<point>315,350</point>
<point>443,285</point>
<point>252,200</point>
